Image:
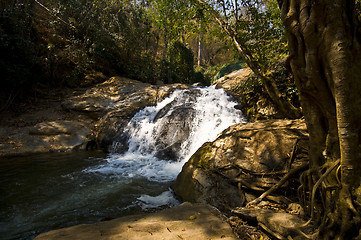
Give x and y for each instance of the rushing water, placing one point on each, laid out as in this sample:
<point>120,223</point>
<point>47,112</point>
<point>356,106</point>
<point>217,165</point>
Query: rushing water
<point>49,191</point>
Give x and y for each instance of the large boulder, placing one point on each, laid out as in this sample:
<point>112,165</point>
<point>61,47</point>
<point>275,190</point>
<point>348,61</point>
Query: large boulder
<point>47,136</point>
<point>111,95</point>
<point>175,124</point>
<point>242,157</point>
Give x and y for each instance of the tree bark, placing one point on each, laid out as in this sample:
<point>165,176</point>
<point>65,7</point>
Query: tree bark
<point>199,58</point>
<point>325,57</point>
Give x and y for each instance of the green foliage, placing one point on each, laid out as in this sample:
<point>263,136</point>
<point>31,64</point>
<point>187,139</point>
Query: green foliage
<point>181,63</point>
<point>250,92</point>
<point>20,48</point>
<point>56,43</point>
<point>228,68</point>
<point>257,31</point>
<point>259,28</point>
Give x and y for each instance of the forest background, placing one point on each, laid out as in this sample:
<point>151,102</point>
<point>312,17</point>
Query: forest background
<point>48,44</point>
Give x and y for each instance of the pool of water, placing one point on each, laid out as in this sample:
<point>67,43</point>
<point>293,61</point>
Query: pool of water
<point>49,191</point>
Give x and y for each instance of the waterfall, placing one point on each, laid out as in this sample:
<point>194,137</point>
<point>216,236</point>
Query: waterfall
<point>160,139</point>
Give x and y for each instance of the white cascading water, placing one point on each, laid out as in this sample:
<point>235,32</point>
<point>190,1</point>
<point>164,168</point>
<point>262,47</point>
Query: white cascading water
<point>212,112</point>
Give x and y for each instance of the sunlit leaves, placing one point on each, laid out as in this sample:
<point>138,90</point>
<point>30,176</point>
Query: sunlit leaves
<point>257,26</point>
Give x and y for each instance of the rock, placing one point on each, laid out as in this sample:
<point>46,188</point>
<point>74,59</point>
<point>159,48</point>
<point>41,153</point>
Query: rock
<point>133,96</point>
<point>212,173</point>
<point>55,128</point>
<point>187,221</point>
<point>60,135</point>
<point>266,108</point>
<point>229,81</point>
<point>279,224</point>
<point>165,90</point>
<point>93,78</point>
<point>112,95</point>
<point>175,125</point>
<point>262,108</point>
<point>296,208</point>
<point>96,114</point>
<point>283,224</point>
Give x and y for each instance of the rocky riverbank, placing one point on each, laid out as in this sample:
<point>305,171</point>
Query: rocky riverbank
<point>79,119</point>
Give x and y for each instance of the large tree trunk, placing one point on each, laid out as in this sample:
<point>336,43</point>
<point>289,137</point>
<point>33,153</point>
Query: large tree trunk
<point>325,57</point>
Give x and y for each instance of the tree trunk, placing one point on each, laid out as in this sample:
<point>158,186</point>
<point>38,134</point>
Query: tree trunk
<point>325,57</point>
<point>284,106</point>
<point>199,58</point>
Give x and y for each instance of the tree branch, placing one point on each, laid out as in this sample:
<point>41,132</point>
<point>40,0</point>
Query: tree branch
<point>279,184</point>
<point>53,14</point>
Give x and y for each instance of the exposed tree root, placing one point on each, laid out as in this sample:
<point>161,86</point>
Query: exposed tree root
<point>314,189</point>
<point>238,181</point>
<point>279,184</point>
<point>293,154</point>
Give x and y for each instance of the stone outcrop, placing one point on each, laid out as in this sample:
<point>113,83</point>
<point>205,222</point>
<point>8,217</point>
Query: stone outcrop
<point>233,79</point>
<point>241,164</point>
<point>226,173</point>
<point>94,115</point>
<point>187,221</point>
<point>254,106</point>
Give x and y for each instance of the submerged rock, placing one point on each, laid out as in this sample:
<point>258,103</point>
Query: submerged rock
<point>175,125</point>
<point>240,159</point>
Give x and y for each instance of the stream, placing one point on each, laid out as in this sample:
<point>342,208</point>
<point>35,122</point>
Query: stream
<point>48,191</point>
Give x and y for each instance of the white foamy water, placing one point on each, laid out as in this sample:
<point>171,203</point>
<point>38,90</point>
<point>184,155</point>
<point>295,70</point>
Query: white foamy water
<point>215,113</point>
<point>212,112</point>
<point>164,199</point>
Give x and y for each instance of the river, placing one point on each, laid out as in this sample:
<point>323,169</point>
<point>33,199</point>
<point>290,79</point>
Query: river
<point>47,191</point>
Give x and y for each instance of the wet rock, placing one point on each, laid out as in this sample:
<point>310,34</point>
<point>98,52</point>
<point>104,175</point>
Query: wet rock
<point>174,130</point>
<point>175,121</point>
<point>239,160</point>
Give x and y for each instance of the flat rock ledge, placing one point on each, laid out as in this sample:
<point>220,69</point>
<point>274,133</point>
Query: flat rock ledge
<point>187,221</point>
